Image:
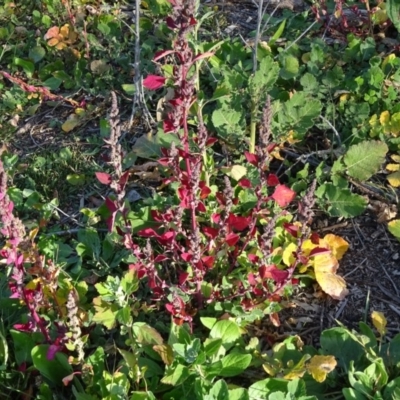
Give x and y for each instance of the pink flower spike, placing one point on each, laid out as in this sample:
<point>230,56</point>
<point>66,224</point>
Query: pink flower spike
<point>154,82</point>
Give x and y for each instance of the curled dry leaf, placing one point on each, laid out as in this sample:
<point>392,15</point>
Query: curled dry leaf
<point>320,366</point>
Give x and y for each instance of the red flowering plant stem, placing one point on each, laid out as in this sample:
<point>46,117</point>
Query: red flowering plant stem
<point>30,274</point>
<point>181,22</point>
<point>13,230</point>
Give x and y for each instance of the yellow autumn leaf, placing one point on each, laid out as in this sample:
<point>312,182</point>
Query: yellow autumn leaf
<point>325,267</point>
<point>337,245</point>
<point>394,179</point>
<point>395,157</point>
<point>166,353</point>
<point>307,246</point>
<point>393,167</point>
<point>52,42</point>
<point>379,321</point>
<point>299,369</point>
<point>384,118</point>
<point>72,122</point>
<point>386,60</point>
<point>320,366</point>
<point>287,256</point>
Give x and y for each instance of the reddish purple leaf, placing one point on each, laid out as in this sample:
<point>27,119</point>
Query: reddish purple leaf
<point>319,251</point>
<point>51,352</point>
<point>103,178</point>
<point>210,141</point>
<point>272,272</point>
<point>166,237</point>
<point>283,195</point>
<point>208,261</point>
<point>216,218</point>
<point>123,180</point>
<point>291,229</point>
<point>253,258</point>
<point>210,232</point>
<point>148,232</point>
<point>251,158</point>
<point>160,258</point>
<point>201,207</point>
<point>232,239</point>
<point>251,279</point>
<point>186,256</point>
<point>162,53</point>
<point>272,180</point>
<point>237,222</point>
<point>154,82</point>
<point>314,238</point>
<point>183,277</point>
<point>245,183</point>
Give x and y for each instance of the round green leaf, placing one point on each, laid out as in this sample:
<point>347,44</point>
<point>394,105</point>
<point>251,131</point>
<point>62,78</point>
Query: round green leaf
<point>37,53</point>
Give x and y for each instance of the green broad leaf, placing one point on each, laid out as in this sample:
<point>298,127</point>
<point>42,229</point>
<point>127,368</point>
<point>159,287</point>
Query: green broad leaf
<point>351,394</point>
<point>176,375</point>
<point>278,33</point>
<point>106,313</point>
<point>130,282</point>
<point>149,145</point>
<point>129,88</point>
<point>368,333</point>
<point>23,344</point>
<point>226,120</point>
<point>212,346</point>
<point>377,373</point>
<point>37,53</point>
<point>3,352</point>
<point>143,396</point>
<point>290,66</point>
<point>342,203</point>
<point>226,330</point>
<point>392,389</point>
<point>52,83</point>
<point>234,364</point>
<point>219,391</point>
<point>220,91</point>
<point>309,83</point>
<point>96,361</point>
<point>145,334</point>
<point>90,244</point>
<point>339,343</point>
<point>262,389</point>
<point>76,179</point>
<point>27,66</point>
<point>277,396</point>
<point>238,394</point>
<point>54,370</point>
<point>297,114</point>
<point>365,159</point>
<point>264,78</point>
<point>130,359</point>
<point>236,172</point>
<point>393,12</point>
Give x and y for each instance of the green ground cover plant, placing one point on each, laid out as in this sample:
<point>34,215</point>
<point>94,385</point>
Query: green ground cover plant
<point>154,298</point>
